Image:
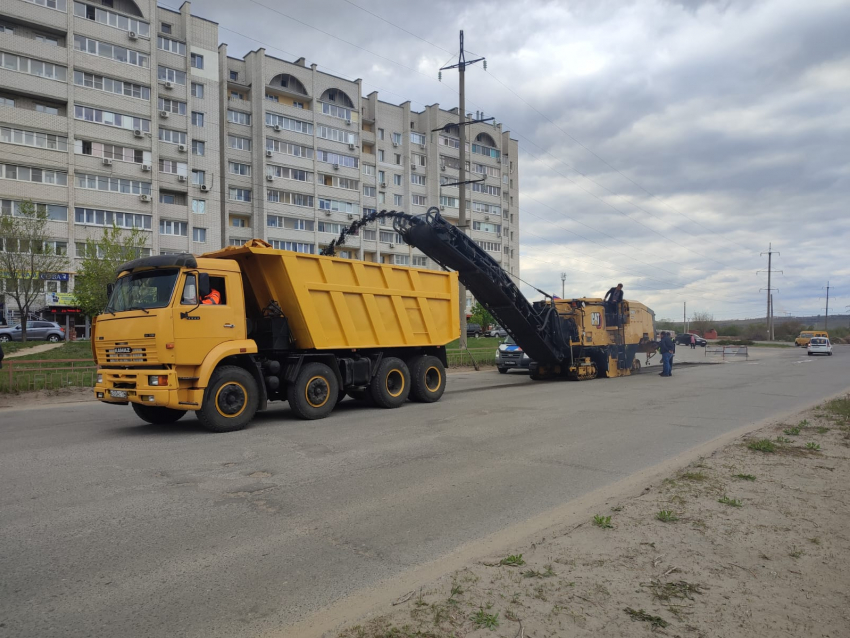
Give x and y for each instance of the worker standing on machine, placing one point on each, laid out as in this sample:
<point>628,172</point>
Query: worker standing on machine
<point>612,300</point>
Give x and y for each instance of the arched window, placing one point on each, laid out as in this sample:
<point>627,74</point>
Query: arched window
<point>335,96</point>
<point>288,82</point>
<point>483,138</point>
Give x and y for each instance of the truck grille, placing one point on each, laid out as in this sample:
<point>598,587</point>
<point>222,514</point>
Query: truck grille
<point>127,352</point>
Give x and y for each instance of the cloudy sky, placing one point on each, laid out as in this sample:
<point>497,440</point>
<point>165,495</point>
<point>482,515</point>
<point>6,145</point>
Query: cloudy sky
<point>663,144</point>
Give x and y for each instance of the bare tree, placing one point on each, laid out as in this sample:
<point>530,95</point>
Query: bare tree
<point>26,254</point>
<point>701,322</point>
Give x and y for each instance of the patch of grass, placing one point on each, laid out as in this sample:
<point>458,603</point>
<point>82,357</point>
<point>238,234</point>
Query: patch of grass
<point>694,476</point>
<point>732,502</point>
<point>482,619</point>
<point>811,445</point>
<point>457,590</point>
<point>514,560</point>
<point>640,614</point>
<point>681,590</point>
<point>602,521</point>
<point>745,477</point>
<point>667,516</point>
<point>796,553</point>
<point>791,431</point>
<point>533,573</point>
<point>814,541</point>
<point>822,430</point>
<point>803,424</point>
<point>782,439</point>
<point>762,445</point>
<point>69,350</point>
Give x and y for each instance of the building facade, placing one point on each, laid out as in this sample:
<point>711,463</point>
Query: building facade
<point>122,112</point>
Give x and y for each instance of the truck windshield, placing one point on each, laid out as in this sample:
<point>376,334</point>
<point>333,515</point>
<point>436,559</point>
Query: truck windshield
<point>146,289</point>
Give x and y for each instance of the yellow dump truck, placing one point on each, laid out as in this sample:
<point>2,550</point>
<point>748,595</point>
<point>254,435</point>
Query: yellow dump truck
<point>225,333</point>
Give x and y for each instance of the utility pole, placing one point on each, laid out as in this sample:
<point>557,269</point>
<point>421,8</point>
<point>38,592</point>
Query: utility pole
<point>563,285</point>
<point>461,65</point>
<point>685,316</point>
<point>769,317</point>
<point>826,317</point>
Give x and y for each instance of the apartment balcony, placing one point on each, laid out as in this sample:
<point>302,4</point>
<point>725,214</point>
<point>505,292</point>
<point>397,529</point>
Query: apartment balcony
<point>32,48</point>
<point>33,85</point>
<point>25,11</point>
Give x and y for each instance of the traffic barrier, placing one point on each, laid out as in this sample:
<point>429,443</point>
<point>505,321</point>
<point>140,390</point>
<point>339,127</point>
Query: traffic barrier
<point>25,376</point>
<point>727,351</point>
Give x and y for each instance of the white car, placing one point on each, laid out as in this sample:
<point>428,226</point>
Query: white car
<point>819,345</point>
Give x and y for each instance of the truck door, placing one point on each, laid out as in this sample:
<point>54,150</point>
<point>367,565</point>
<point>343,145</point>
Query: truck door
<point>202,324</point>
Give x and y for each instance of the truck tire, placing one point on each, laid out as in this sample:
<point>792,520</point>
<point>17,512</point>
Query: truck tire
<point>314,393</point>
<point>390,386</point>
<point>230,401</point>
<point>503,370</point>
<point>157,414</point>
<point>427,379</point>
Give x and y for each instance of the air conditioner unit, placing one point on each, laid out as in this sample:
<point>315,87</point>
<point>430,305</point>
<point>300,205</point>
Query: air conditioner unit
<point>107,161</point>
<point>181,148</point>
<point>442,208</point>
<point>328,213</point>
<point>336,167</point>
<point>164,113</point>
<point>145,198</point>
<point>383,184</point>
<point>350,215</point>
<point>442,167</point>
<point>277,128</point>
<point>413,167</point>
<point>181,178</point>
<point>350,146</point>
<point>392,245</point>
<point>169,84</point>
<point>422,145</point>
<point>205,188</point>
<point>146,168</point>
<point>133,35</point>
<point>348,122</point>
<point>269,177</point>
<point>395,144</point>
<point>486,217</point>
<point>138,133</point>
<point>268,153</point>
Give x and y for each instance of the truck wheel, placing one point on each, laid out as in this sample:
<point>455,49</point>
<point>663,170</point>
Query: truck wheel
<point>157,414</point>
<point>391,384</point>
<point>230,401</point>
<point>314,393</point>
<point>427,379</point>
<point>503,370</point>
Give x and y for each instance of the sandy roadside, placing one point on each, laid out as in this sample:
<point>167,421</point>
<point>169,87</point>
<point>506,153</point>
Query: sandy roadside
<point>750,540</point>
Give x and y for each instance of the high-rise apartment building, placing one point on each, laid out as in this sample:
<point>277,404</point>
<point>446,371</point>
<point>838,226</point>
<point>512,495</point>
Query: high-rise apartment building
<point>122,112</point>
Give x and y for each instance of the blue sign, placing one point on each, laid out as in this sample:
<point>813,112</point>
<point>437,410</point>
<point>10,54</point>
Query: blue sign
<point>55,276</point>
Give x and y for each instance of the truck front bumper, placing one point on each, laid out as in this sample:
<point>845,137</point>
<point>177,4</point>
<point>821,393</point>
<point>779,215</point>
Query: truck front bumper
<point>133,386</point>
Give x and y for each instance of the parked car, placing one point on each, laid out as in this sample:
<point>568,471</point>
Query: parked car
<point>36,331</point>
<point>684,339</point>
<point>474,330</point>
<point>509,356</point>
<point>498,331</point>
<point>819,345</point>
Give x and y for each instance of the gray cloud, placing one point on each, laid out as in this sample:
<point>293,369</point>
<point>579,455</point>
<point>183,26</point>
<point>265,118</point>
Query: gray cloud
<point>735,114</point>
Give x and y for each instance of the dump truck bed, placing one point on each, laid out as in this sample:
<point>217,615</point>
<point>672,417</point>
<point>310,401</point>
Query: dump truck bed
<point>333,303</point>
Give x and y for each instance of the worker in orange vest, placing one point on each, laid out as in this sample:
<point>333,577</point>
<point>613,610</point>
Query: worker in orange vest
<point>214,298</point>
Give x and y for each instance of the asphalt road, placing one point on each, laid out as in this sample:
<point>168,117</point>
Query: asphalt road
<point>109,527</point>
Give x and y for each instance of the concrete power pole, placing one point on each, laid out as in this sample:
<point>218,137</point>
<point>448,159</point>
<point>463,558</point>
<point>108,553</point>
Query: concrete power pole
<point>769,316</point>
<point>826,317</point>
<point>461,65</point>
<point>684,316</point>
<point>563,285</point>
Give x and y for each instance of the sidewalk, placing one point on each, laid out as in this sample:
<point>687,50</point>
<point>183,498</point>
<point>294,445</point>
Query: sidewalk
<point>35,350</point>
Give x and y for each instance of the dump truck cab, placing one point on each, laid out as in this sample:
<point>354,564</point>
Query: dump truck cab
<point>158,343</point>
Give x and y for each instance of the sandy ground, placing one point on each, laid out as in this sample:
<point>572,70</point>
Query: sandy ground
<point>744,542</point>
<point>42,398</point>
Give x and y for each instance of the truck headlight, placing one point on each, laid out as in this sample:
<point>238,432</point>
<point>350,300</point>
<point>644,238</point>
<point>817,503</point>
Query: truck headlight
<point>160,379</point>
<point>99,378</point>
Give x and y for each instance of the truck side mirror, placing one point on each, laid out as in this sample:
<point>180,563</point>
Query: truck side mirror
<point>203,284</point>
<point>110,288</point>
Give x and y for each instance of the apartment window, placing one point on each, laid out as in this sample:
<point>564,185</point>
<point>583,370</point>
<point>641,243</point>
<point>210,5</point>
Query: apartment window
<point>234,76</point>
<point>172,106</point>
<point>337,158</point>
<point>450,202</point>
<point>451,142</point>
<point>238,242</point>
<point>380,155</point>
<point>289,124</point>
<point>164,27</point>
<point>291,223</point>
<point>486,227</point>
<point>35,139</point>
<point>397,158</point>
<point>297,247</point>
<point>285,148</point>
<point>418,159</point>
<point>239,169</point>
<point>239,143</point>
<point>197,119</point>
<point>398,200</point>
<point>165,74</point>
<point>240,194</point>
<point>199,177</point>
<point>382,197</point>
<point>396,139</point>
<point>380,133</point>
<point>173,167</point>
<point>114,152</point>
<point>330,227</point>
<point>284,172</point>
<point>167,44</point>
<point>172,137</point>
<point>199,235</point>
<point>337,206</point>
<point>198,90</point>
<point>6,101</point>
<point>397,180</point>
<point>46,39</point>
<point>112,184</point>
<point>339,182</point>
<point>238,117</point>
<point>54,212</point>
<point>239,222</point>
<point>4,28</point>
<point>111,51</point>
<point>97,217</point>
<point>336,134</point>
<point>285,197</point>
<point>368,169</point>
<point>417,179</point>
<point>370,191</point>
<point>111,85</point>
<point>32,174</point>
<point>418,200</point>
<point>298,105</point>
<point>199,206</point>
<point>398,260</point>
<point>196,61</point>
<point>491,246</point>
<point>168,227</point>
<point>420,261</point>
<point>98,14</point>
<point>199,147</point>
<point>32,67</point>
<point>417,138</point>
<point>170,197</point>
<point>336,111</point>
<point>369,235</point>
<point>111,119</point>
